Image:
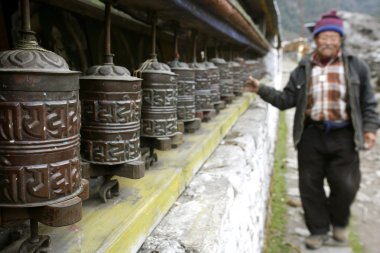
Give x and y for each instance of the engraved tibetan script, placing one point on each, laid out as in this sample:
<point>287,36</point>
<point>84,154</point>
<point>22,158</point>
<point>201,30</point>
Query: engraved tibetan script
<point>38,183</point>
<point>38,120</point>
<point>110,111</point>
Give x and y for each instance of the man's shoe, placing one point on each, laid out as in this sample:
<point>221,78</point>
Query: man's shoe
<point>315,241</point>
<point>340,234</point>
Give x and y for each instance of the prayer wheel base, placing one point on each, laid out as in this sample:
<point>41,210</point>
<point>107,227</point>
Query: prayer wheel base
<point>228,99</point>
<point>206,115</point>
<point>193,125</point>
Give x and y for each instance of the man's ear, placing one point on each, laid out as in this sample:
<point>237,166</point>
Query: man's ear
<point>342,40</point>
<point>315,39</point>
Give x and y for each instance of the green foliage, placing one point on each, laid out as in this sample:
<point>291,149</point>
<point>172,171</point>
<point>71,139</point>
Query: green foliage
<point>355,244</point>
<point>276,229</point>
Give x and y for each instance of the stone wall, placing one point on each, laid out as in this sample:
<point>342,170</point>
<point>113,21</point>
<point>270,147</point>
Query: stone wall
<point>224,207</point>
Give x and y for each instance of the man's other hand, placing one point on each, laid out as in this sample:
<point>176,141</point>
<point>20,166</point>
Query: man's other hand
<point>252,85</point>
<point>369,140</point>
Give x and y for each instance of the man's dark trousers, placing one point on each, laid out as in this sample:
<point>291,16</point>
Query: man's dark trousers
<point>332,156</point>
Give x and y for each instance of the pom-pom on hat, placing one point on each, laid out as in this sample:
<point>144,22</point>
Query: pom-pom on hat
<point>329,22</point>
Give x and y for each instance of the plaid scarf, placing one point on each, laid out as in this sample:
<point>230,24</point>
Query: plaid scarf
<point>327,96</point>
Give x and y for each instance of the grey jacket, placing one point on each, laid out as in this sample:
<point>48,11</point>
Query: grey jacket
<point>361,100</point>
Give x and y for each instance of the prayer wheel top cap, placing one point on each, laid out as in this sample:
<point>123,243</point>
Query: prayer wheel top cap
<point>175,64</point>
<point>109,71</point>
<point>153,66</point>
<point>33,60</point>
<point>210,65</point>
<point>197,65</point>
<point>251,62</point>
<point>233,64</point>
<point>218,61</point>
<point>239,59</point>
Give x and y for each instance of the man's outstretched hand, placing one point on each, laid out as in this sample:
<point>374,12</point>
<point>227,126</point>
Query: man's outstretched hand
<point>252,85</point>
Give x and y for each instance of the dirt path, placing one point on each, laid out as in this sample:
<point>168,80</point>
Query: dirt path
<point>366,209</point>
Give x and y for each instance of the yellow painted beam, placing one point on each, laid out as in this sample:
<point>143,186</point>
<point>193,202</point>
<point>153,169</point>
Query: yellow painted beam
<point>123,223</point>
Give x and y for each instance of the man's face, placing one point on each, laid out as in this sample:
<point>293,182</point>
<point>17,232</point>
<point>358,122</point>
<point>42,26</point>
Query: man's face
<point>328,44</point>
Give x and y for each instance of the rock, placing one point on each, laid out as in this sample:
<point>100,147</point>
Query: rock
<point>362,197</point>
<point>294,202</point>
<point>291,164</point>
<point>363,39</point>
<point>301,232</point>
<point>293,192</point>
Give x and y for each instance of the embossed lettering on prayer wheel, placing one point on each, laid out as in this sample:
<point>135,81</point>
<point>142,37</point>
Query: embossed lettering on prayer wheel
<point>39,129</point>
<point>226,77</point>
<point>186,90</point>
<point>214,77</point>
<point>111,112</point>
<point>237,70</point>
<point>159,107</point>
<point>244,74</point>
<point>203,94</point>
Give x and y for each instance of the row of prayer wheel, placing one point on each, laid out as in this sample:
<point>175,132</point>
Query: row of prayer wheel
<point>52,120</point>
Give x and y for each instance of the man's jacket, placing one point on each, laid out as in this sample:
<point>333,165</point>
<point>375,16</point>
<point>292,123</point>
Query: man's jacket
<point>361,101</point>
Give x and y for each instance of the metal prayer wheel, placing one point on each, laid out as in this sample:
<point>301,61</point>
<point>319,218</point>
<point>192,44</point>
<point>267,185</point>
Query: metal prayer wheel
<point>40,169</point>
<point>250,67</point>
<point>185,89</point>
<point>237,73</point>
<point>203,94</point>
<point>39,127</point>
<point>256,68</point>
<point>226,78</point>
<point>111,105</point>
<point>159,99</point>
<point>244,70</point>
<point>111,110</point>
<point>214,77</point>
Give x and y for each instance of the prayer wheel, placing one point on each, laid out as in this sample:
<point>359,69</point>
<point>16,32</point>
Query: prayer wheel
<point>186,90</point>
<point>256,68</point>
<point>159,95</point>
<point>237,73</point>
<point>250,67</point>
<point>226,77</point>
<point>203,94</point>
<point>40,169</point>
<point>244,71</point>
<point>214,77</point>
<point>111,108</point>
<point>39,126</point>
<point>159,106</point>
<point>111,112</point>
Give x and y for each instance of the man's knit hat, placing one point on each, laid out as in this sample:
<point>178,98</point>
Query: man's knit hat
<point>329,22</point>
